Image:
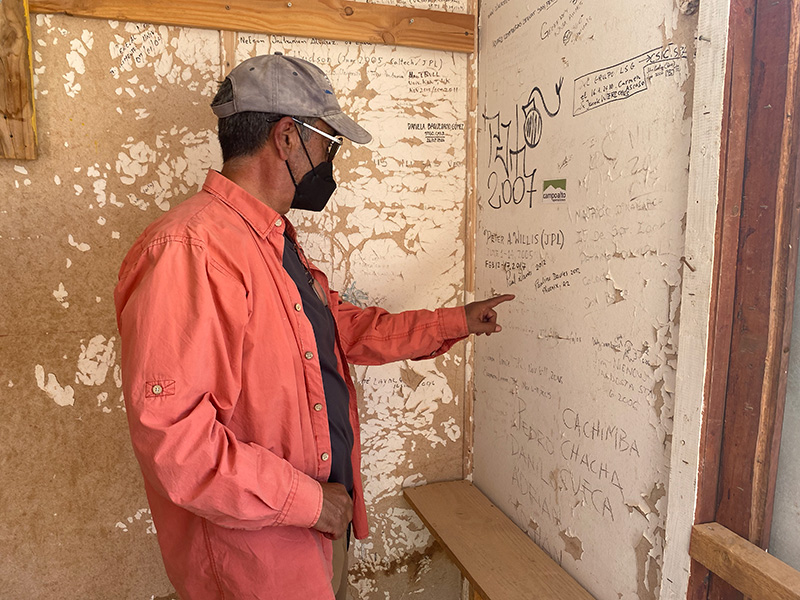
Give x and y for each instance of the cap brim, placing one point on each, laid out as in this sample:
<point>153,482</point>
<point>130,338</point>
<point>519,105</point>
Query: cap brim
<point>348,128</point>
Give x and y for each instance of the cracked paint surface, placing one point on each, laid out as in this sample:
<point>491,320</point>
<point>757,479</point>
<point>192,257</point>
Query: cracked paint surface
<point>583,153</point>
<point>125,134</point>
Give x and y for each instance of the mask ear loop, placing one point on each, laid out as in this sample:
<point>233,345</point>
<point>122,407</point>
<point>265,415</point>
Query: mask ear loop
<point>290,173</point>
<point>308,156</point>
<point>302,143</point>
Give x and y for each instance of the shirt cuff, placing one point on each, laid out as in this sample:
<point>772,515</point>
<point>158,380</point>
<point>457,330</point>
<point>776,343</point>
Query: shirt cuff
<point>304,506</point>
<point>453,323</point>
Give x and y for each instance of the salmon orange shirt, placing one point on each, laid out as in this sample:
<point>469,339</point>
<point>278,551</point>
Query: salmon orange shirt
<point>225,400</point>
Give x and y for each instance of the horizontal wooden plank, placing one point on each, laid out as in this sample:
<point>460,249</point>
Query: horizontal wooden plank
<point>500,561</point>
<point>326,19</point>
<point>748,568</point>
<point>18,125</point>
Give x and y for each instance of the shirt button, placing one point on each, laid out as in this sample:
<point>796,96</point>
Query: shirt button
<point>278,223</point>
<point>318,407</point>
<point>325,456</point>
<point>309,355</point>
<point>298,307</point>
<point>157,389</point>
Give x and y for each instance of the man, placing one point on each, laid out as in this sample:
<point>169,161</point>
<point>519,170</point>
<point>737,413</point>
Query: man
<point>241,409</point>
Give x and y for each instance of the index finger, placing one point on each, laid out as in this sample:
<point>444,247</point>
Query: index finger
<point>495,300</point>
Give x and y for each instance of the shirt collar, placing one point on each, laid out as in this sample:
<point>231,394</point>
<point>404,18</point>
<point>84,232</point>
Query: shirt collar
<point>258,215</point>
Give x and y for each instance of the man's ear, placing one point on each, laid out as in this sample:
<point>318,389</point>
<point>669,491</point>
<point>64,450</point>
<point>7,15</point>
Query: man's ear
<point>284,137</point>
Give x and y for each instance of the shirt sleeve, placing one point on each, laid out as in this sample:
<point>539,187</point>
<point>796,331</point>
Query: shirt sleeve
<point>182,318</point>
<point>373,336</point>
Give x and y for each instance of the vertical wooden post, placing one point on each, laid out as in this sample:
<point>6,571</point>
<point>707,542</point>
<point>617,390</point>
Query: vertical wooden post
<point>17,127</point>
<point>227,59</point>
<point>470,236</point>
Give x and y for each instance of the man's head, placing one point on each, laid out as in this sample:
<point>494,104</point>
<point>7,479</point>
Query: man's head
<point>261,90</point>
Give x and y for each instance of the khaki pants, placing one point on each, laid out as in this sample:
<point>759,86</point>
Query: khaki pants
<point>339,581</point>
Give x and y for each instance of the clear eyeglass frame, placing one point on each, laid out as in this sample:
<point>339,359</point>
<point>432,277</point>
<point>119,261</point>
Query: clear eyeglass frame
<point>334,144</point>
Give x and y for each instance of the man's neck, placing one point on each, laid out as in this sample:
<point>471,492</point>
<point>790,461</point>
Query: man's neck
<point>258,181</point>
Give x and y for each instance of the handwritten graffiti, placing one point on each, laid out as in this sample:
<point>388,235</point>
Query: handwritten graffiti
<point>512,172</point>
<point>628,78</point>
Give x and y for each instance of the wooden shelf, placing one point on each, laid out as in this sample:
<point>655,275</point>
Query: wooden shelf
<point>499,559</point>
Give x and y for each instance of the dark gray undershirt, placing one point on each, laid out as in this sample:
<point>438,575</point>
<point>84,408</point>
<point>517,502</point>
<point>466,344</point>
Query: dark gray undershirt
<point>337,397</point>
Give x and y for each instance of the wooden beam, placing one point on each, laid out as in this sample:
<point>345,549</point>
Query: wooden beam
<point>784,273</point>
<point>18,125</point>
<point>327,19</point>
<point>762,278</point>
<point>500,561</point>
<point>748,568</point>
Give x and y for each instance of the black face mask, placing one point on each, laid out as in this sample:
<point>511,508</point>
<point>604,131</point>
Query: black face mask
<point>315,188</point>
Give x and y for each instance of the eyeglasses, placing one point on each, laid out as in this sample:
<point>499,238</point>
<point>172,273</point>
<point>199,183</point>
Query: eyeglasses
<point>333,145</point>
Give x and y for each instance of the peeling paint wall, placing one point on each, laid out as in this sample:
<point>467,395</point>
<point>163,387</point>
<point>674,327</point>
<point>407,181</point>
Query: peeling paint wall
<point>583,152</point>
<point>126,133</point>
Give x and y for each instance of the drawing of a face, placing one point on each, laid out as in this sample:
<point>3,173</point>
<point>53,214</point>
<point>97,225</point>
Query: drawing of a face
<point>533,118</point>
<point>533,124</point>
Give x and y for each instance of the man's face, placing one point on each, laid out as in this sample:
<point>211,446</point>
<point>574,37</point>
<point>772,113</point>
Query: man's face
<point>320,147</point>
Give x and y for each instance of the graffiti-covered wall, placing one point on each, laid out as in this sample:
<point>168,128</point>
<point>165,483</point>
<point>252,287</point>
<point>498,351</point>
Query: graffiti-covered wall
<point>583,155</point>
<point>125,133</point>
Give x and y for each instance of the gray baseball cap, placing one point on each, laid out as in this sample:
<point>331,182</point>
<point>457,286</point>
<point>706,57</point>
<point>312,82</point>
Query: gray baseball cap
<point>285,85</point>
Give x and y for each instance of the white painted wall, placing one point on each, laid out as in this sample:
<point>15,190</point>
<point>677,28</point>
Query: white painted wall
<point>574,400</point>
<point>701,218</point>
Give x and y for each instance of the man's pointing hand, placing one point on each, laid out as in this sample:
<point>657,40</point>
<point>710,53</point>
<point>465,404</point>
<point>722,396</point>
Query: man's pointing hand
<point>481,316</point>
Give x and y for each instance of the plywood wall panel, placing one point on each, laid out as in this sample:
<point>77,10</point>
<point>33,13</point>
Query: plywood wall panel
<point>125,134</point>
<point>583,154</point>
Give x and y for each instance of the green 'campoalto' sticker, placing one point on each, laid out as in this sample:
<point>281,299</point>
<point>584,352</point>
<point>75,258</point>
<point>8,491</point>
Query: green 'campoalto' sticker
<point>555,190</point>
